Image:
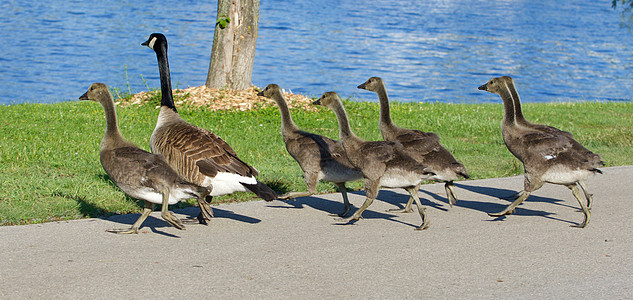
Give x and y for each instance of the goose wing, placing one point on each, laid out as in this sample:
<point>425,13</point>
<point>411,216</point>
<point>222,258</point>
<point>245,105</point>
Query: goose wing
<point>194,151</point>
<point>136,167</point>
<point>379,150</point>
<point>422,142</point>
<point>544,146</point>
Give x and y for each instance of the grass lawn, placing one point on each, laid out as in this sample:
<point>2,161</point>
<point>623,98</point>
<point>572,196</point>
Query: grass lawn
<point>49,153</point>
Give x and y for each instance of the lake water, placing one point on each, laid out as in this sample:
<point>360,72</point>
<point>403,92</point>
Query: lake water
<point>424,50</point>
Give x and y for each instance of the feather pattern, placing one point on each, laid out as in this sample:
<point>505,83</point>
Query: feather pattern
<point>549,155</point>
<point>138,173</point>
<point>197,154</point>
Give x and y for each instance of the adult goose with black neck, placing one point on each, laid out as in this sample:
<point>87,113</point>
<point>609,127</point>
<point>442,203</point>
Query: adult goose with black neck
<point>422,146</point>
<point>320,157</point>
<point>382,163</point>
<point>138,173</point>
<point>548,155</point>
<point>198,155</point>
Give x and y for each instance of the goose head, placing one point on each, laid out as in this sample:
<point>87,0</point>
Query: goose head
<point>329,99</point>
<point>96,92</point>
<point>155,39</point>
<point>372,84</point>
<point>270,90</point>
<point>497,85</point>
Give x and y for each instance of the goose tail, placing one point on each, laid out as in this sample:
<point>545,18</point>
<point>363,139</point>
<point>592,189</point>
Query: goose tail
<point>261,190</point>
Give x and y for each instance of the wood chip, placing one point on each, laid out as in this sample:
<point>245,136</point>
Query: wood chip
<point>222,99</point>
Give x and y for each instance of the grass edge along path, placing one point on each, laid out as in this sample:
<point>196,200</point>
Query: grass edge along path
<point>49,153</point>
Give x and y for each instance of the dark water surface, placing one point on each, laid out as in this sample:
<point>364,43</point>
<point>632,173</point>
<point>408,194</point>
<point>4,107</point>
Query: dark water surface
<point>424,50</point>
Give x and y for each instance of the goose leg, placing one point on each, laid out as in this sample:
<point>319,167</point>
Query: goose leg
<point>168,215</point>
<point>585,210</point>
<point>346,205</point>
<point>587,194</point>
<point>450,193</point>
<point>311,182</point>
<point>421,210</point>
<point>371,191</point>
<point>409,206</point>
<point>510,209</point>
<point>206,212</point>
<point>292,195</point>
<point>149,207</point>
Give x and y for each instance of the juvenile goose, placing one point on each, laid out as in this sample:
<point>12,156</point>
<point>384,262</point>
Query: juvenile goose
<point>138,173</point>
<point>198,155</point>
<point>548,154</point>
<point>424,147</point>
<point>520,119</point>
<point>382,163</point>
<point>319,157</point>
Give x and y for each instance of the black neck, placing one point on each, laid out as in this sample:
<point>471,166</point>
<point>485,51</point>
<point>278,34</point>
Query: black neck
<point>167,98</point>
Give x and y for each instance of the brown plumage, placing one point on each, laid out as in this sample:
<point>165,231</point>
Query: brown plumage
<point>422,146</point>
<point>198,155</point>
<point>138,173</point>
<point>383,163</point>
<point>319,157</point>
<point>548,154</point>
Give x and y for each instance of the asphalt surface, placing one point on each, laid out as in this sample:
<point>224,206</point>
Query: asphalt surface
<point>294,249</point>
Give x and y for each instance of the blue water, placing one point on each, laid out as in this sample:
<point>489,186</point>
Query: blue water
<point>424,50</point>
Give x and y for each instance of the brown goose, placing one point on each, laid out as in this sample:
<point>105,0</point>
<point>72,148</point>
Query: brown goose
<point>383,163</point>
<point>548,154</point>
<point>138,173</point>
<point>198,155</point>
<point>422,146</point>
<point>319,157</point>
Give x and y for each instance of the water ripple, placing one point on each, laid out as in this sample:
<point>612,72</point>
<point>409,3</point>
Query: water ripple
<point>425,50</point>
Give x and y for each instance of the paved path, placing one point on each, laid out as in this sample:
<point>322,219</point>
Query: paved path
<point>294,250</point>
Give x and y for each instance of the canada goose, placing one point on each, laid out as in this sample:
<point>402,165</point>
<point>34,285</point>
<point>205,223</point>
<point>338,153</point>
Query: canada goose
<point>548,154</point>
<point>424,147</point>
<point>138,173</point>
<point>198,155</point>
<point>319,157</point>
<point>383,163</point>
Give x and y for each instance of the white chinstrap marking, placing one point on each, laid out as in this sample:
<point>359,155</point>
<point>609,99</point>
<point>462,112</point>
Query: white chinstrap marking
<point>151,43</point>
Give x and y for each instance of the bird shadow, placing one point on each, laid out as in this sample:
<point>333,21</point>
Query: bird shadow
<point>191,213</point>
<point>505,194</point>
<point>90,210</point>
<point>336,207</point>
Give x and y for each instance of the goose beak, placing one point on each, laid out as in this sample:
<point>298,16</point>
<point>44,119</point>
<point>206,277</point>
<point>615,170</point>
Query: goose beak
<point>484,87</point>
<point>318,102</point>
<point>362,86</point>
<point>260,93</point>
<point>84,96</point>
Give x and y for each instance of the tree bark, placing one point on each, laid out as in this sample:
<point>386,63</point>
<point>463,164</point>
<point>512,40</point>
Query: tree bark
<point>233,50</point>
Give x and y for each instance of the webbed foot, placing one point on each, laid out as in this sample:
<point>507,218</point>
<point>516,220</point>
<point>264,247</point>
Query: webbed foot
<point>502,213</point>
<point>131,230</point>
<point>171,219</point>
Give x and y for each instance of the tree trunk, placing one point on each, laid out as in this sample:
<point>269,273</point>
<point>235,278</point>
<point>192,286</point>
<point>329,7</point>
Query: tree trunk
<point>233,51</point>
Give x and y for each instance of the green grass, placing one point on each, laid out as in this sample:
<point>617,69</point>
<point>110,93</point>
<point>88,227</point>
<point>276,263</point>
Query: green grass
<point>49,153</point>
